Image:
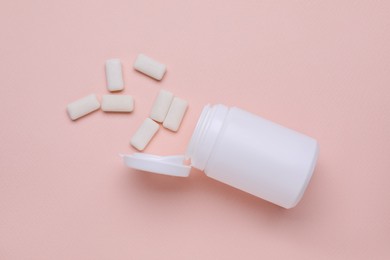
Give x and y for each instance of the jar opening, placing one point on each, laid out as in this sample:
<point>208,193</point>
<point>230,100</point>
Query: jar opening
<point>205,135</point>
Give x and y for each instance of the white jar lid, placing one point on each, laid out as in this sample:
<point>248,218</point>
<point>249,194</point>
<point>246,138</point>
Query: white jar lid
<point>167,165</point>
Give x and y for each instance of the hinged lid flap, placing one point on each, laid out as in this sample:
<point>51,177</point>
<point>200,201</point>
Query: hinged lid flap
<point>167,165</point>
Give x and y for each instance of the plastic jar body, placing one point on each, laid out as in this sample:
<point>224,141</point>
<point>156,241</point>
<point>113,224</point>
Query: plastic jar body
<point>253,154</point>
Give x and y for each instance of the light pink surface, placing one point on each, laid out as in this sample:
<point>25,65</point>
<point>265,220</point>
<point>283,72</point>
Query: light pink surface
<point>320,67</point>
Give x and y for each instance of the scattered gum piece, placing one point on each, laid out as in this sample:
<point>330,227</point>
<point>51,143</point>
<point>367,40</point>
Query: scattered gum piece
<point>149,67</point>
<point>161,106</point>
<point>144,134</point>
<point>114,75</point>
<point>175,114</point>
<point>83,106</point>
<point>117,103</point>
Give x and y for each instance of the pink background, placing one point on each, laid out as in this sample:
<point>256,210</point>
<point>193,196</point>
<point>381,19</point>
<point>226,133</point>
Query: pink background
<point>320,67</point>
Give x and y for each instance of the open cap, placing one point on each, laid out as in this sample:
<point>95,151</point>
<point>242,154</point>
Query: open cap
<point>167,165</point>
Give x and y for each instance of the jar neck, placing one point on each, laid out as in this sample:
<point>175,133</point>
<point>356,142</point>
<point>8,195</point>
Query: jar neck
<point>205,135</point>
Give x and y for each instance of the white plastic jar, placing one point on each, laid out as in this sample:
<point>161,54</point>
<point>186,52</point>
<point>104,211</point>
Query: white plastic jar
<point>253,154</point>
<point>245,151</point>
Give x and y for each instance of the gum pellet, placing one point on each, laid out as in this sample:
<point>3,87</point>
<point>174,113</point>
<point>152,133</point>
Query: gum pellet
<point>83,106</point>
<point>175,114</point>
<point>117,103</point>
<point>114,75</point>
<point>144,134</point>
<point>161,105</point>
<point>149,67</point>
